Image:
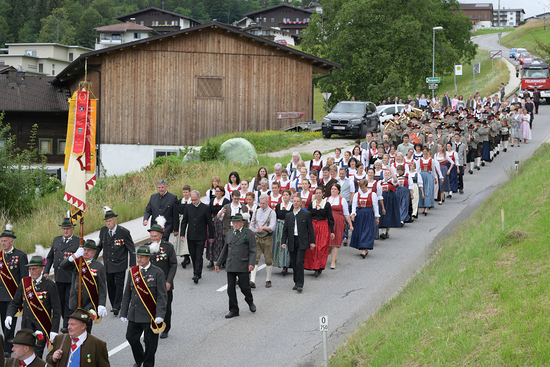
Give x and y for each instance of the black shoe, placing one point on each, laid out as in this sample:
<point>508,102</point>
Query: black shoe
<point>299,289</point>
<point>285,271</point>
<point>505,150</point>
<point>364,255</point>
<point>196,279</point>
<point>231,315</point>
<point>461,191</point>
<point>252,307</point>
<point>477,167</point>
<point>252,285</point>
<point>483,164</point>
<point>164,335</point>
<point>294,288</point>
<point>64,330</point>
<point>210,265</point>
<point>115,311</point>
<point>471,172</point>
<point>137,365</point>
<point>425,213</point>
<point>316,273</point>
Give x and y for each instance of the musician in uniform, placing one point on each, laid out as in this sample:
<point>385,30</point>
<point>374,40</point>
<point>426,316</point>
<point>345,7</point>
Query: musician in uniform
<point>94,283</point>
<point>484,130</point>
<point>460,148</point>
<point>12,269</point>
<point>81,348</point>
<point>40,301</point>
<point>164,256</point>
<point>144,307</point>
<point>240,253</point>
<point>62,247</point>
<point>506,121</point>
<point>116,243</point>
<point>24,344</point>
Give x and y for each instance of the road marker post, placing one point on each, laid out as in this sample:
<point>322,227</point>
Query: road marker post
<point>323,326</point>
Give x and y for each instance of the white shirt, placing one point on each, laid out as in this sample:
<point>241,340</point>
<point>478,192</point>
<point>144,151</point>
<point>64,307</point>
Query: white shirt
<point>363,195</point>
<point>145,268</point>
<point>336,201</point>
<point>295,223</point>
<point>261,216</point>
<point>29,360</point>
<point>81,339</point>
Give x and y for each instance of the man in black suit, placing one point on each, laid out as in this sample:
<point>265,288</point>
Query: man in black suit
<point>62,247</point>
<point>87,252</point>
<point>36,313</point>
<point>197,219</point>
<point>164,256</point>
<point>16,261</point>
<point>446,100</point>
<point>137,315</point>
<point>299,235</point>
<point>240,252</point>
<point>116,243</point>
<point>163,203</point>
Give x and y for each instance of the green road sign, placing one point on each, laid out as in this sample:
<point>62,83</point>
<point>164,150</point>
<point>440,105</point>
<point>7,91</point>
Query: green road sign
<point>433,80</point>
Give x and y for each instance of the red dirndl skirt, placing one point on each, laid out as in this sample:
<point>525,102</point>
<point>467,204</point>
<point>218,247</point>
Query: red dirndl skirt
<point>317,258</point>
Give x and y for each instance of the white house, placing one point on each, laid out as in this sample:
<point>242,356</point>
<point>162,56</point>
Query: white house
<point>117,34</point>
<point>273,34</point>
<point>508,17</point>
<point>40,58</point>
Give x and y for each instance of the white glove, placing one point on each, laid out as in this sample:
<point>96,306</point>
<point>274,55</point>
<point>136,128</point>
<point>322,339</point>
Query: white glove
<point>159,320</point>
<point>79,252</point>
<point>124,319</point>
<point>52,336</point>
<point>7,323</point>
<point>101,311</point>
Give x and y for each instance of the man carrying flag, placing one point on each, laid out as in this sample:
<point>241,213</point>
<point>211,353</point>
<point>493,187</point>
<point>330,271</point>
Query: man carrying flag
<point>94,285</point>
<point>40,301</point>
<point>144,307</point>
<point>12,269</point>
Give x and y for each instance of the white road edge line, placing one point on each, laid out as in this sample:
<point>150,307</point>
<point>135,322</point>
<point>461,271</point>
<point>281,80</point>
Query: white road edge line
<point>225,286</point>
<point>119,348</point>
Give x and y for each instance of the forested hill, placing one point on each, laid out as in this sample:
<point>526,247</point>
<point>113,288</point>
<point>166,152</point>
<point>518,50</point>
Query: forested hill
<point>72,22</point>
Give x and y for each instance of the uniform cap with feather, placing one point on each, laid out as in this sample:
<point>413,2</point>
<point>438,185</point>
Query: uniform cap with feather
<point>109,213</point>
<point>8,232</point>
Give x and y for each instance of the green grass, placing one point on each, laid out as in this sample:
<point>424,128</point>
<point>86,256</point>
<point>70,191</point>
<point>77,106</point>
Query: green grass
<point>129,194</point>
<point>525,35</point>
<point>483,300</point>
<point>490,31</point>
<point>269,140</point>
<point>486,82</point>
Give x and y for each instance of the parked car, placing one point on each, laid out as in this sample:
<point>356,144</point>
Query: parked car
<point>519,51</point>
<point>386,111</point>
<point>282,42</point>
<point>355,118</point>
<point>525,58</point>
<point>512,52</point>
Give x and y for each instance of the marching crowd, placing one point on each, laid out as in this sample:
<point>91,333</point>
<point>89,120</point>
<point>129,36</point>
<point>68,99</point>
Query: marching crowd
<point>295,217</point>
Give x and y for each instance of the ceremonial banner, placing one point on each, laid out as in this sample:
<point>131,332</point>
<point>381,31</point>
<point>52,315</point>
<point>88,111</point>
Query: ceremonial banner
<point>37,307</point>
<point>415,139</point>
<point>9,282</point>
<point>89,281</point>
<point>147,298</point>
<point>80,153</point>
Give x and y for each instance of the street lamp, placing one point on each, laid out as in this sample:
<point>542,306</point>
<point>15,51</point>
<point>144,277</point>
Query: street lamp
<point>433,57</point>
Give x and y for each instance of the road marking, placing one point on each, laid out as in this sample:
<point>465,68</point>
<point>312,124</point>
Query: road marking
<point>225,286</point>
<point>119,348</point>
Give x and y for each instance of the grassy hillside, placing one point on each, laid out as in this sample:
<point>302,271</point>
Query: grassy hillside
<point>525,35</point>
<point>483,300</point>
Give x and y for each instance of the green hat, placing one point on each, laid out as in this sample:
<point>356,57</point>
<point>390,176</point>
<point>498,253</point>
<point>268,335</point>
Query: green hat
<point>36,260</point>
<point>82,315</point>
<point>143,250</point>
<point>25,337</point>
<point>110,214</point>
<point>237,217</point>
<point>156,227</point>
<point>67,223</point>
<point>90,244</point>
<point>8,233</point>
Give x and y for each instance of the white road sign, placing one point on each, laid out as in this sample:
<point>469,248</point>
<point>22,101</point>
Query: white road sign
<point>323,323</point>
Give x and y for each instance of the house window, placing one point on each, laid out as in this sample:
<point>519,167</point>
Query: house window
<point>60,146</point>
<point>165,22</point>
<point>71,55</point>
<point>175,22</point>
<point>165,153</point>
<point>297,19</point>
<point>116,37</point>
<point>45,146</point>
<point>297,31</point>
<point>272,20</point>
<point>137,36</point>
<point>209,87</point>
<point>479,16</point>
<point>40,67</point>
<point>53,69</point>
<point>265,20</point>
<point>257,20</point>
<point>2,62</point>
<point>308,19</point>
<point>141,22</point>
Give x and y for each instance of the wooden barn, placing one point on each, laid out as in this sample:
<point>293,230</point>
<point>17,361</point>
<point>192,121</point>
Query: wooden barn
<point>175,90</point>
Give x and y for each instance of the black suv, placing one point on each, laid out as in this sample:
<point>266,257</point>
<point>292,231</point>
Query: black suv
<point>351,118</point>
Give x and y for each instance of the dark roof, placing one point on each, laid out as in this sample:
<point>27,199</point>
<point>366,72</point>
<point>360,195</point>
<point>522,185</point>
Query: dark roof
<point>314,60</point>
<point>279,6</point>
<point>155,9</point>
<point>32,93</point>
<point>6,68</point>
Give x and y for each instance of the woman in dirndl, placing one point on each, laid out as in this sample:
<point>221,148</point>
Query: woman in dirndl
<point>323,226</point>
<point>340,213</point>
<point>429,170</point>
<point>444,187</point>
<point>281,257</point>
<point>452,169</point>
<point>389,218</point>
<point>305,193</point>
<point>418,188</point>
<point>180,246</point>
<point>404,193</point>
<point>365,217</point>
<point>214,249</point>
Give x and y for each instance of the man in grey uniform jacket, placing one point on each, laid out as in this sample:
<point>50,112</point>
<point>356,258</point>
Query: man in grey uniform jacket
<point>240,251</point>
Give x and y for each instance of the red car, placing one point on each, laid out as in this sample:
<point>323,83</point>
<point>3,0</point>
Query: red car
<point>525,58</point>
<point>282,42</point>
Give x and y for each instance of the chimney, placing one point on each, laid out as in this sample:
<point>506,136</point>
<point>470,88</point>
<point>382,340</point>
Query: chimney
<point>133,20</point>
<point>12,78</point>
<point>20,74</point>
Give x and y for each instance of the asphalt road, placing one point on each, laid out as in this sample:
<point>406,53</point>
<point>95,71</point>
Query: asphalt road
<point>285,329</point>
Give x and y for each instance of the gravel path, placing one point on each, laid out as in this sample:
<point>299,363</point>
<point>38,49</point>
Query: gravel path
<point>324,145</point>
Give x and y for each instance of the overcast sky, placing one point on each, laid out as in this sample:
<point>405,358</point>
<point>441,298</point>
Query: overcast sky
<point>531,7</point>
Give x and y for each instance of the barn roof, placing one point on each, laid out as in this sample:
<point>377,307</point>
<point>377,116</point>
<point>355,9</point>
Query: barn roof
<point>279,6</point>
<point>318,62</point>
<point>151,8</point>
<point>32,93</point>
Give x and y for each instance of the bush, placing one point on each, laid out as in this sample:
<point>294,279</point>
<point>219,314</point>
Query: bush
<point>210,152</point>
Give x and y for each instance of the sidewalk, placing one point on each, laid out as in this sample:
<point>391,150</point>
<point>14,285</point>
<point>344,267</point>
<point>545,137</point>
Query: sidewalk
<point>514,83</point>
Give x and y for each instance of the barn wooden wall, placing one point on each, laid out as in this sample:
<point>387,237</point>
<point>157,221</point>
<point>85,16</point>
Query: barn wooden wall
<point>148,92</point>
